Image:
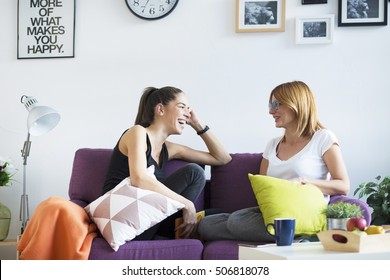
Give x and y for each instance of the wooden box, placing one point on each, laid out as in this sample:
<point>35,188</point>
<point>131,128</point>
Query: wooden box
<point>346,241</point>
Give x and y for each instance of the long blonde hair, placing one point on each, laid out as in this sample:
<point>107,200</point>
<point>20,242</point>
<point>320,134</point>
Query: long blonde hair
<point>299,98</point>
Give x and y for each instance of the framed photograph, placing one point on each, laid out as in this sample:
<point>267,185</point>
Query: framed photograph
<point>306,2</point>
<point>315,30</point>
<point>45,29</point>
<point>260,16</point>
<point>362,12</point>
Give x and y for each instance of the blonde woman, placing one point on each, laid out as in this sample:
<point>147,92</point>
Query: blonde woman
<point>307,152</point>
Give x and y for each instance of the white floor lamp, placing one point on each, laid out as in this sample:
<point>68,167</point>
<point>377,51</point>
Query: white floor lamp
<point>41,119</point>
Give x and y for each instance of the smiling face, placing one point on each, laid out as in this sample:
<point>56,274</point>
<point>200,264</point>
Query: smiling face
<point>284,116</point>
<point>176,114</point>
<point>298,111</point>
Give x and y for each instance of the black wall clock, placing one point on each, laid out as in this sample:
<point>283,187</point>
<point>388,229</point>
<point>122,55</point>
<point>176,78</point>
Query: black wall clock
<point>151,9</point>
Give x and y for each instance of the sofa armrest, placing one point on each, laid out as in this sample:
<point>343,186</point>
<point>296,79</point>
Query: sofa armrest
<point>363,206</point>
<point>79,202</point>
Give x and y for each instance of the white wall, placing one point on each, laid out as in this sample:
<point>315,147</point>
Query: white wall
<point>228,77</point>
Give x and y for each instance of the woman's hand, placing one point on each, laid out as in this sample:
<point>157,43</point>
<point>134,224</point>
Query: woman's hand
<point>193,121</point>
<point>298,180</point>
<point>189,224</point>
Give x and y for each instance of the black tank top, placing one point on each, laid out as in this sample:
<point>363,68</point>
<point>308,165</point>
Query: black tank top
<point>119,166</point>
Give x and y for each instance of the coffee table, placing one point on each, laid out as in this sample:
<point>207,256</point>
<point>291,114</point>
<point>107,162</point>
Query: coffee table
<point>304,251</point>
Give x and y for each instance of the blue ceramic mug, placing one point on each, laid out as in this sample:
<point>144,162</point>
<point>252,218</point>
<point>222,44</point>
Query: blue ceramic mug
<point>284,229</point>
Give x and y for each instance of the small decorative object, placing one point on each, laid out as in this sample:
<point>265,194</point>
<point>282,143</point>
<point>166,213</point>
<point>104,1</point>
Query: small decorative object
<point>151,9</point>
<point>5,220</point>
<point>362,12</point>
<point>260,16</point>
<point>347,241</point>
<point>338,214</point>
<point>6,172</point>
<point>378,199</point>
<point>315,30</point>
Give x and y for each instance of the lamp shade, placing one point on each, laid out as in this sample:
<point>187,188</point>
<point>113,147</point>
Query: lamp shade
<point>41,119</point>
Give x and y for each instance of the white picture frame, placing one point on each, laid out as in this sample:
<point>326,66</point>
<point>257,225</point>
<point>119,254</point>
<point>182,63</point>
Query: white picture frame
<point>315,30</point>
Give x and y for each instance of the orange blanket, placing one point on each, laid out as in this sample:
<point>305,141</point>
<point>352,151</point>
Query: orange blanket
<point>58,230</point>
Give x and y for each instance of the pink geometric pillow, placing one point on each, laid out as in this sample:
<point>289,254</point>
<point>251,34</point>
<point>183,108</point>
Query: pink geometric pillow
<point>126,211</point>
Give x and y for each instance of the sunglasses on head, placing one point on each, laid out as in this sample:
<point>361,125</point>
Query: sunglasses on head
<point>274,105</point>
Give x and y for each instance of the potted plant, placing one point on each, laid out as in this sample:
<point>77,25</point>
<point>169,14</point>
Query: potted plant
<point>378,198</point>
<point>337,214</point>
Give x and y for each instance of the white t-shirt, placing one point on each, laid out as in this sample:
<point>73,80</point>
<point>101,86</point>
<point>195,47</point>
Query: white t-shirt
<point>307,163</point>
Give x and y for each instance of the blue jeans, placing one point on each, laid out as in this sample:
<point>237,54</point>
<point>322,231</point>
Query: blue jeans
<point>187,181</point>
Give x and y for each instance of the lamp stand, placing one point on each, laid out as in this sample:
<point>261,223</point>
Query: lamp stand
<point>24,211</point>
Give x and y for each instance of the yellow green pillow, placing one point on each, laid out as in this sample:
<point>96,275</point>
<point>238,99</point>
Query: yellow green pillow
<point>278,198</point>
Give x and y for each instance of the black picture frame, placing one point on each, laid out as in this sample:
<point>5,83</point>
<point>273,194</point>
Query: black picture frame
<point>374,14</point>
<point>308,2</point>
<point>46,29</point>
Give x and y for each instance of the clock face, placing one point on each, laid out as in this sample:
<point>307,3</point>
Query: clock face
<point>151,9</point>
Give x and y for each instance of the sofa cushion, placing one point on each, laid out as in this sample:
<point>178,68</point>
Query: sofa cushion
<point>174,249</point>
<point>126,211</point>
<point>221,250</point>
<point>230,188</point>
<point>278,198</point>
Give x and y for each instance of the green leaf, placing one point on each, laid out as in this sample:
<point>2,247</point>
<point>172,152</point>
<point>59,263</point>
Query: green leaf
<point>378,198</point>
<point>342,210</point>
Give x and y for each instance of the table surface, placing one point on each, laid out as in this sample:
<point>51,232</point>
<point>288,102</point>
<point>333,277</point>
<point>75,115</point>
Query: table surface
<point>8,242</point>
<point>304,251</point>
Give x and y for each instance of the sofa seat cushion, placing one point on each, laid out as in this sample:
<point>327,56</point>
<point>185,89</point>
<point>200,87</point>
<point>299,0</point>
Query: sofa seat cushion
<point>222,249</point>
<point>180,249</point>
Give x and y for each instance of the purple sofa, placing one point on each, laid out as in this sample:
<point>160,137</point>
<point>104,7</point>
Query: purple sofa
<point>228,188</point>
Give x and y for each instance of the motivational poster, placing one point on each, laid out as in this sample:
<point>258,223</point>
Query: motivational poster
<point>46,28</point>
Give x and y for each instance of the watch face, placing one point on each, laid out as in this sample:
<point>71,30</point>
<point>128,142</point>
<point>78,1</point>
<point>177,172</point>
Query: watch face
<point>151,9</point>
